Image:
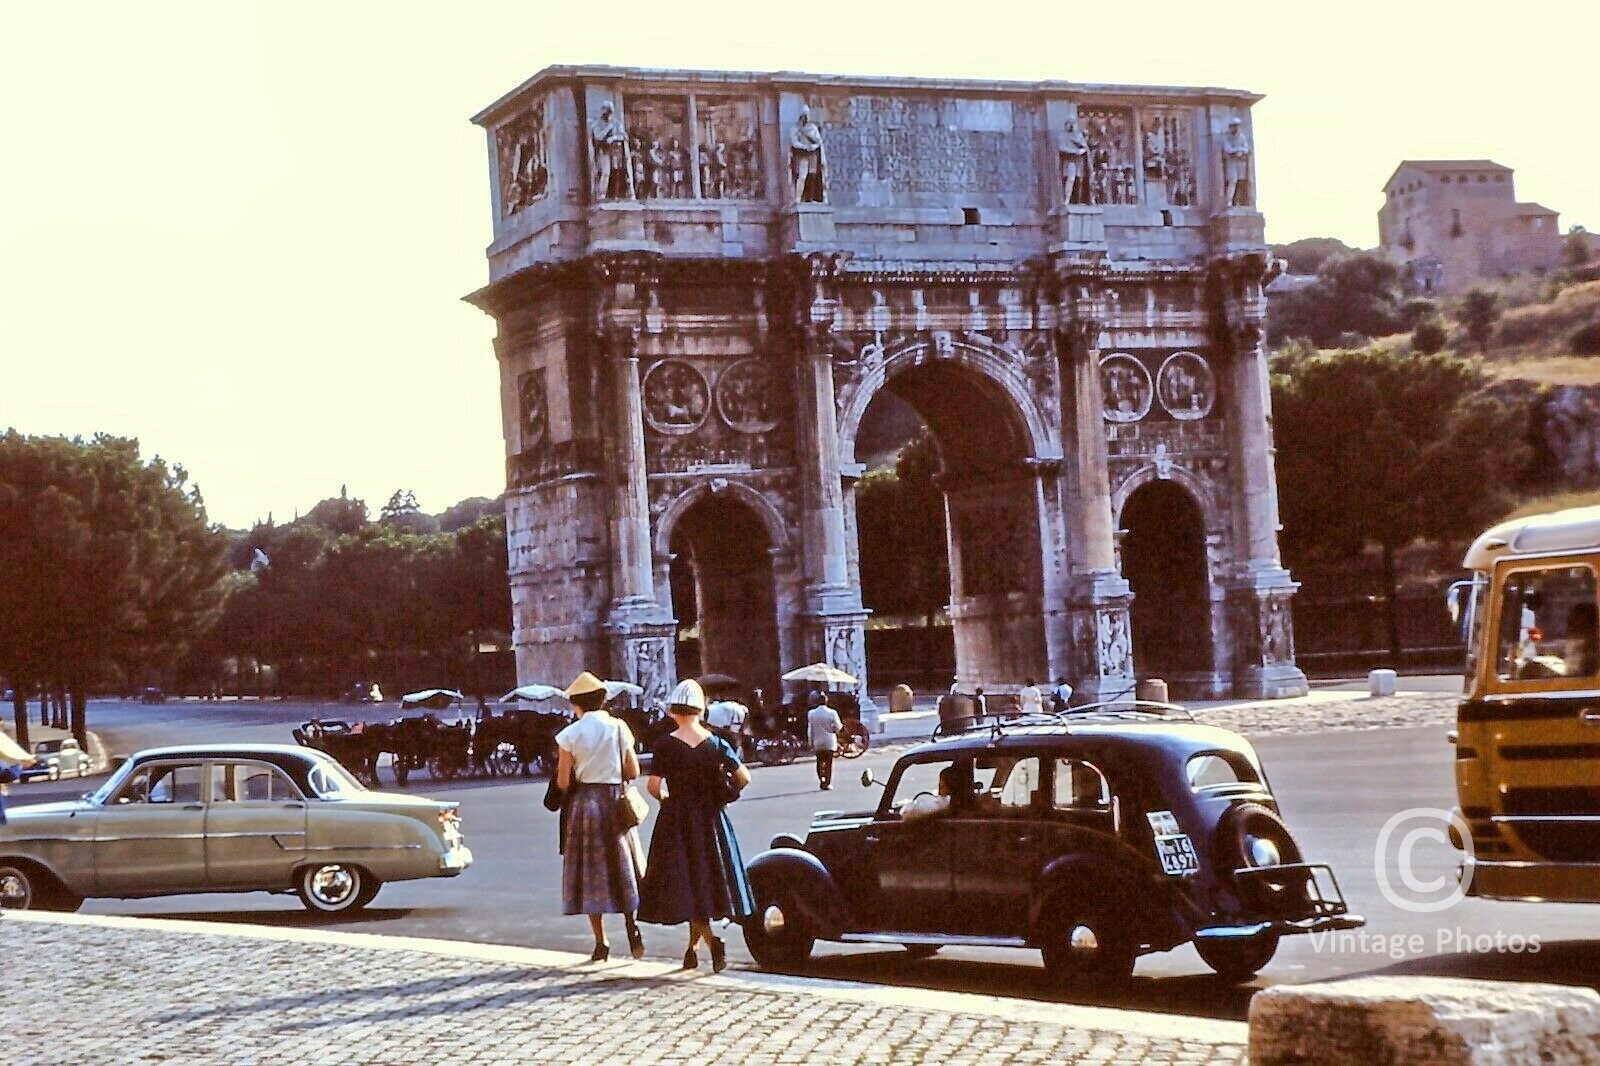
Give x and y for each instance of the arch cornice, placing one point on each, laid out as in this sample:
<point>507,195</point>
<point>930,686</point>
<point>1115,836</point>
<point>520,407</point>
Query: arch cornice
<point>998,365</point>
<point>771,518</point>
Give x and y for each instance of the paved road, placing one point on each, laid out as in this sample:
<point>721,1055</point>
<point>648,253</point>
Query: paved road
<point>1337,790</point>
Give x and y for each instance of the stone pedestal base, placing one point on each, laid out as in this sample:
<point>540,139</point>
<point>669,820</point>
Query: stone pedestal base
<point>1079,228</point>
<point>1427,1021</point>
<point>808,226</point>
<point>1238,229</point>
<point>1102,637</point>
<point>618,226</point>
<point>644,647</point>
<point>836,634</point>
<point>1263,628</point>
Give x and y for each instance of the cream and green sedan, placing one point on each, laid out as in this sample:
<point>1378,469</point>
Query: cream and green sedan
<point>227,818</point>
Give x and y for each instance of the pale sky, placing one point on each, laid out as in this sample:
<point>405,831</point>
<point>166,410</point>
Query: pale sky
<point>240,232</point>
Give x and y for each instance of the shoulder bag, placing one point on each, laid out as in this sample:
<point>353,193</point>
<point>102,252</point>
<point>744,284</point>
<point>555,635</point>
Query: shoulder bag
<point>631,806</point>
<point>727,788</point>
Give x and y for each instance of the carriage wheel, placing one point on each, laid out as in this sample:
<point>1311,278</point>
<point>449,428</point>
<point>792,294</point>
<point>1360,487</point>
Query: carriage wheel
<point>505,760</point>
<point>854,740</point>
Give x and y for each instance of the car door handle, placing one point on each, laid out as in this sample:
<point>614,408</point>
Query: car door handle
<point>194,806</point>
<point>872,838</point>
<point>1590,717</point>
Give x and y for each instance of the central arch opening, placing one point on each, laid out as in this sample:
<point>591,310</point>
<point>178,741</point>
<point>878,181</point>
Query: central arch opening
<point>722,592</point>
<point>1164,560</point>
<point>948,532</point>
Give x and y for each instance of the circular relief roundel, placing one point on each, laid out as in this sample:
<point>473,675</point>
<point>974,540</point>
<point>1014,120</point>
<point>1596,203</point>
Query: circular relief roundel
<point>1186,386</point>
<point>745,397</point>
<point>676,397</point>
<point>1125,388</point>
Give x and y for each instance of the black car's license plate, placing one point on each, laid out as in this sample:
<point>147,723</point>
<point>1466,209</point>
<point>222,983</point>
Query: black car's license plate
<point>1177,855</point>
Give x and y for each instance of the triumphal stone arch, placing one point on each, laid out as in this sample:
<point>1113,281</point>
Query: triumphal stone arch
<point>702,281</point>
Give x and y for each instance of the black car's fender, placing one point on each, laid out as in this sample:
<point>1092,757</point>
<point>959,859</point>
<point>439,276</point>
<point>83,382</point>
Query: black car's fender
<point>805,881</point>
<point>1112,881</point>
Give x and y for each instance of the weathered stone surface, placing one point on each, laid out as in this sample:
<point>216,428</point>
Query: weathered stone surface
<point>1424,1022</point>
<point>703,280</point>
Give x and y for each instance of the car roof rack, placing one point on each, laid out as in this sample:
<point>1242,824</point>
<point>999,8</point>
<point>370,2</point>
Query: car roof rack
<point>1130,711</point>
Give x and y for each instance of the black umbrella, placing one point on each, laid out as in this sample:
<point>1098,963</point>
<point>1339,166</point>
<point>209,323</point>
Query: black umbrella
<point>716,684</point>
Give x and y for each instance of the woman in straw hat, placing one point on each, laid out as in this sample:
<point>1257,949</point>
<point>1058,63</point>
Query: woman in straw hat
<point>696,873</point>
<point>601,861</point>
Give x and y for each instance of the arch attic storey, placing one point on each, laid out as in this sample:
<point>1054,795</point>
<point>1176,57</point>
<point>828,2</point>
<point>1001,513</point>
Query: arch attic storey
<point>715,274</point>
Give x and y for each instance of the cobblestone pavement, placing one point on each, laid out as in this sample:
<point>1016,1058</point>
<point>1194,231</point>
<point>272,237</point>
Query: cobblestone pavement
<point>1324,713</point>
<point>121,990</point>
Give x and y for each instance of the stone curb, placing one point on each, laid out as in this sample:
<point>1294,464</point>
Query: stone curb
<point>1091,1019</point>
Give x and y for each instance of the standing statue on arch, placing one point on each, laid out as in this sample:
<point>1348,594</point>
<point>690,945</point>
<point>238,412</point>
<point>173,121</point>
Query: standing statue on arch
<point>807,160</point>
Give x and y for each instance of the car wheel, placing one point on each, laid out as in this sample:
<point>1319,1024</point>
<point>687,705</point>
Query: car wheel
<point>1087,948</point>
<point>775,936</point>
<point>1237,958</point>
<point>921,951</point>
<point>335,888</point>
<point>20,888</point>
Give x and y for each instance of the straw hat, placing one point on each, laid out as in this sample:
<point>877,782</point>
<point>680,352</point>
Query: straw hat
<point>584,684</point>
<point>688,694</point>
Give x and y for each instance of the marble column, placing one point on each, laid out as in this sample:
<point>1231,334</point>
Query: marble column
<point>1101,661</point>
<point>1260,589</point>
<point>833,607</point>
<point>643,632</point>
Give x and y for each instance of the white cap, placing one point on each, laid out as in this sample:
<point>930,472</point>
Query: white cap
<point>688,694</point>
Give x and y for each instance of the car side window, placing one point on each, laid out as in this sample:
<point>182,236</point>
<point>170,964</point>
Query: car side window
<point>924,788</point>
<point>164,784</point>
<point>175,784</point>
<point>1547,626</point>
<point>244,782</point>
<point>1019,787</point>
<point>1079,786</point>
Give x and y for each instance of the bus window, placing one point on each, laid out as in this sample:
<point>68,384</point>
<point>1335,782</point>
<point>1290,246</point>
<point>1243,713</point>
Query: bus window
<point>1547,625</point>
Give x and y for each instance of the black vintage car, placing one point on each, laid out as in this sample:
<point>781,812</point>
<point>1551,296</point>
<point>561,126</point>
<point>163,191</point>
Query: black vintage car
<point>1095,837</point>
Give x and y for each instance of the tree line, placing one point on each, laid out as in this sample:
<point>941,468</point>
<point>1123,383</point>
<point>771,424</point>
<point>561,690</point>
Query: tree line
<point>112,576</point>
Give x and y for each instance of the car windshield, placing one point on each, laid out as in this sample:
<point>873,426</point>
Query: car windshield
<point>328,779</point>
<point>47,747</point>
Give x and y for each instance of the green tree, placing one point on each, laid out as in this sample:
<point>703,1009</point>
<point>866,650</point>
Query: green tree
<point>1574,248</point>
<point>1376,448</point>
<point>1480,310</point>
<point>1307,255</point>
<point>1429,337</point>
<point>108,566</point>
<point>1353,294</point>
<point>905,565</point>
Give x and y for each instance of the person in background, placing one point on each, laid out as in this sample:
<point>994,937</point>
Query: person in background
<point>1031,699</point>
<point>823,724</point>
<point>901,699</point>
<point>1061,695</point>
<point>695,873</point>
<point>980,704</point>
<point>601,862</point>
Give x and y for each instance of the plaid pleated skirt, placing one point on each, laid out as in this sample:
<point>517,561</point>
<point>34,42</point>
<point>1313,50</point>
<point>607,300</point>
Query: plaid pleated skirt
<point>602,864</point>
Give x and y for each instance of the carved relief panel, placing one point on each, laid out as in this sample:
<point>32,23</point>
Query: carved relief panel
<point>533,415</point>
<point>1110,133</point>
<point>721,415</point>
<point>1167,143</point>
<point>1126,387</point>
<point>729,150</point>
<point>522,152</point>
<point>1186,386</point>
<point>659,147</point>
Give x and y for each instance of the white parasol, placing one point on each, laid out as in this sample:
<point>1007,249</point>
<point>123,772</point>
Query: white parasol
<point>533,693</point>
<point>821,673</point>
<point>11,751</point>
<point>435,698</point>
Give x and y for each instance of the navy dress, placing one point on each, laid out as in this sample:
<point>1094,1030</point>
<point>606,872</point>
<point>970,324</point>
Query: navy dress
<point>695,871</point>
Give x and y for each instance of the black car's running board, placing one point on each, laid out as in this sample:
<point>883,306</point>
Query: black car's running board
<point>940,939</point>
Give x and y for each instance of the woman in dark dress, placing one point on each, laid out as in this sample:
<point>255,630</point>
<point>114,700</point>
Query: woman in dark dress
<point>695,873</point>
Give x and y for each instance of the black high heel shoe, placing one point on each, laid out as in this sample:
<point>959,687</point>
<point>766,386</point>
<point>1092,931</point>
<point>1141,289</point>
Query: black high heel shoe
<point>602,952</point>
<point>691,961</point>
<point>635,941</point>
<point>719,955</point>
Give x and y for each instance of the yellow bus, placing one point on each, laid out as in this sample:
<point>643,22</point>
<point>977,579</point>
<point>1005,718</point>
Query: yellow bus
<point>1528,727</point>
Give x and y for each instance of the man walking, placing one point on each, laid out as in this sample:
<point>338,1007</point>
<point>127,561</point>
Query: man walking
<point>823,723</point>
<point>1061,695</point>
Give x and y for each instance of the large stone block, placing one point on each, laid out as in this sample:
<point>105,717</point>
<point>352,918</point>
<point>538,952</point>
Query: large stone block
<point>1421,1021</point>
